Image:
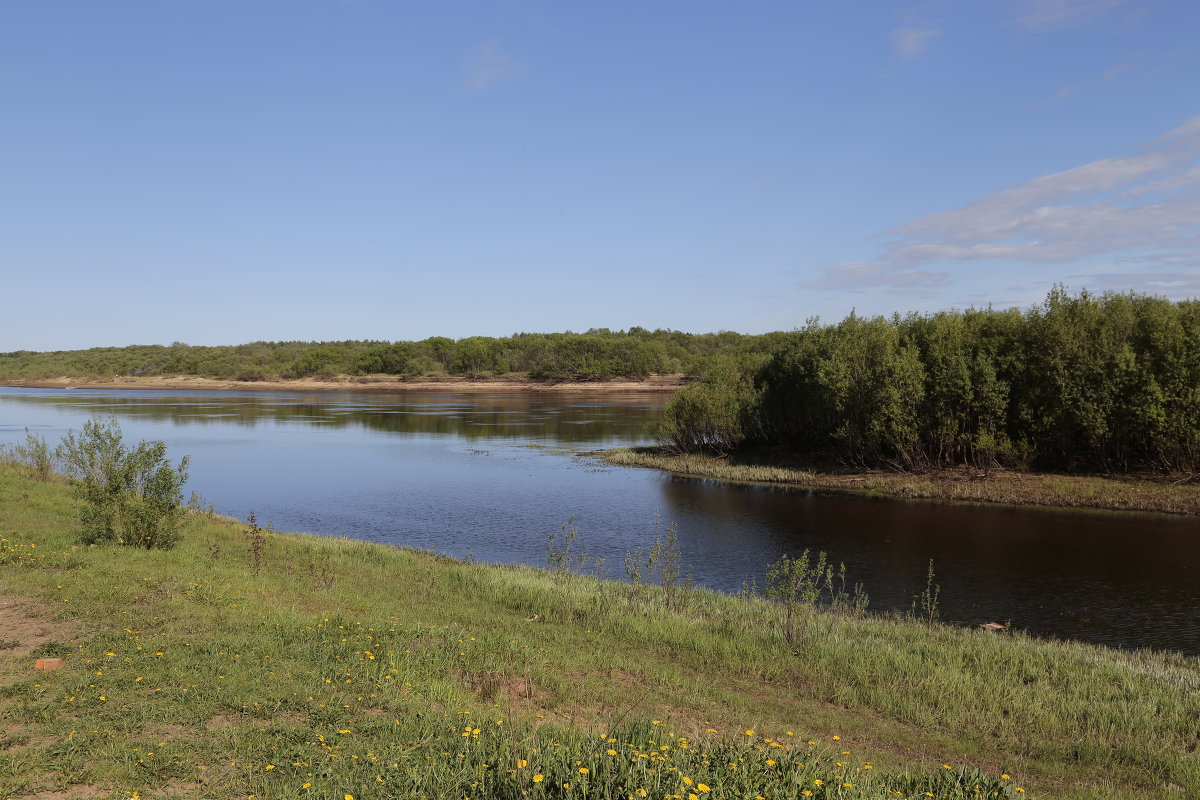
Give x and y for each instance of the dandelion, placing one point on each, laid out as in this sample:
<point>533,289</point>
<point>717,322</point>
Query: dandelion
<point>1006,776</point>
<point>539,778</point>
<point>612,752</point>
<point>703,787</point>
<point>270,766</point>
<point>583,770</point>
<point>522,763</point>
<point>750,732</point>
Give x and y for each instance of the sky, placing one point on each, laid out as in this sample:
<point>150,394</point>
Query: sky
<point>226,171</point>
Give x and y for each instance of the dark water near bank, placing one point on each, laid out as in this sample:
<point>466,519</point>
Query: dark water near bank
<point>492,475</point>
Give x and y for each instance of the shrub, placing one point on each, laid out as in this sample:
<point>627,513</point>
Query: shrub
<point>715,414</point>
<point>132,496</point>
<point>36,455</point>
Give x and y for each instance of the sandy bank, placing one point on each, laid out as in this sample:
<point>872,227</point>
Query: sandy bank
<point>503,383</point>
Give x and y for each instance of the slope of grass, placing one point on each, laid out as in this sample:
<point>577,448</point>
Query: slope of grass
<point>284,666</point>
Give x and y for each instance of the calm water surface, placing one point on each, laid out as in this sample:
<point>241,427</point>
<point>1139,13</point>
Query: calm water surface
<point>492,475</point>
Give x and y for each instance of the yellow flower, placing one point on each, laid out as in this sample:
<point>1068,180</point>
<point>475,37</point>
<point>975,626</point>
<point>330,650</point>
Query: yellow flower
<point>305,786</point>
<point>818,782</point>
<point>693,796</point>
<point>522,763</point>
<point>750,732</point>
<point>1019,789</point>
<point>583,770</point>
<point>349,797</point>
<point>807,793</point>
<point>539,778</point>
<point>837,738</point>
<point>687,780</point>
<point>612,752</point>
<point>641,793</point>
<point>1006,776</point>
<point>770,762</point>
<point>703,787</point>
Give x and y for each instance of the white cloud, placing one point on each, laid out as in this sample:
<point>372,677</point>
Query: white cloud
<point>911,42</point>
<point>489,66</point>
<point>1147,204</point>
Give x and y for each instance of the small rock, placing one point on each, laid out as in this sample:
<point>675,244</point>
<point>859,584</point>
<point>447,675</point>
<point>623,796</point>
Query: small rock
<point>48,663</point>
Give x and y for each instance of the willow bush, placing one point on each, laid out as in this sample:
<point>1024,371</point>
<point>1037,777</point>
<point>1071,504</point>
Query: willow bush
<point>1105,383</point>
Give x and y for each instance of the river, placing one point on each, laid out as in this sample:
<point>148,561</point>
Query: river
<point>491,476</point>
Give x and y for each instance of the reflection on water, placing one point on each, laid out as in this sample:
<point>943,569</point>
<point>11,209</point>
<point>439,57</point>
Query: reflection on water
<point>492,475</point>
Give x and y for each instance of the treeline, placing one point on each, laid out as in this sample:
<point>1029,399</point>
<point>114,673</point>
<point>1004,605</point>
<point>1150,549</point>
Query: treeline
<point>598,353</point>
<point>1093,383</point>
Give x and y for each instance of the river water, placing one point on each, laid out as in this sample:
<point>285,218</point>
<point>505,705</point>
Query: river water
<point>491,475</point>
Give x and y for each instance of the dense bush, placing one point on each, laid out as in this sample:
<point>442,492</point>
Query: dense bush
<point>132,496</point>
<point>598,353</point>
<point>714,414</point>
<point>1108,383</point>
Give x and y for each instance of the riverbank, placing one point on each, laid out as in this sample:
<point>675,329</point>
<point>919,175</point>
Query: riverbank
<point>955,485</point>
<point>361,383</point>
<point>246,663</point>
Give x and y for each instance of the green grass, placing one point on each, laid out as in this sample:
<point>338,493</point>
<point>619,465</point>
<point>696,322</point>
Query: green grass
<point>377,672</point>
<point>963,484</point>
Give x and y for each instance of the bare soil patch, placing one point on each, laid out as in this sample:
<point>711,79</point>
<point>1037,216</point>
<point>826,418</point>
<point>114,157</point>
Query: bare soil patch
<point>29,623</point>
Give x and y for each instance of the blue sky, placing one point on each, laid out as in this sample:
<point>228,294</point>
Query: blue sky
<point>218,172</point>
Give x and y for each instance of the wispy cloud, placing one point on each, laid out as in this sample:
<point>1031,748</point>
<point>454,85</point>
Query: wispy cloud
<point>910,42</point>
<point>490,65</point>
<point>1046,15</point>
<point>1142,208</point>
<point>1059,96</point>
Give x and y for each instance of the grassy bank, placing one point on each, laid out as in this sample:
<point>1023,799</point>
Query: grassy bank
<point>282,666</point>
<point>960,484</point>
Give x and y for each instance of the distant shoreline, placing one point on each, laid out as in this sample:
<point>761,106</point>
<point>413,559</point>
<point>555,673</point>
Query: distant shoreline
<point>658,384</point>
